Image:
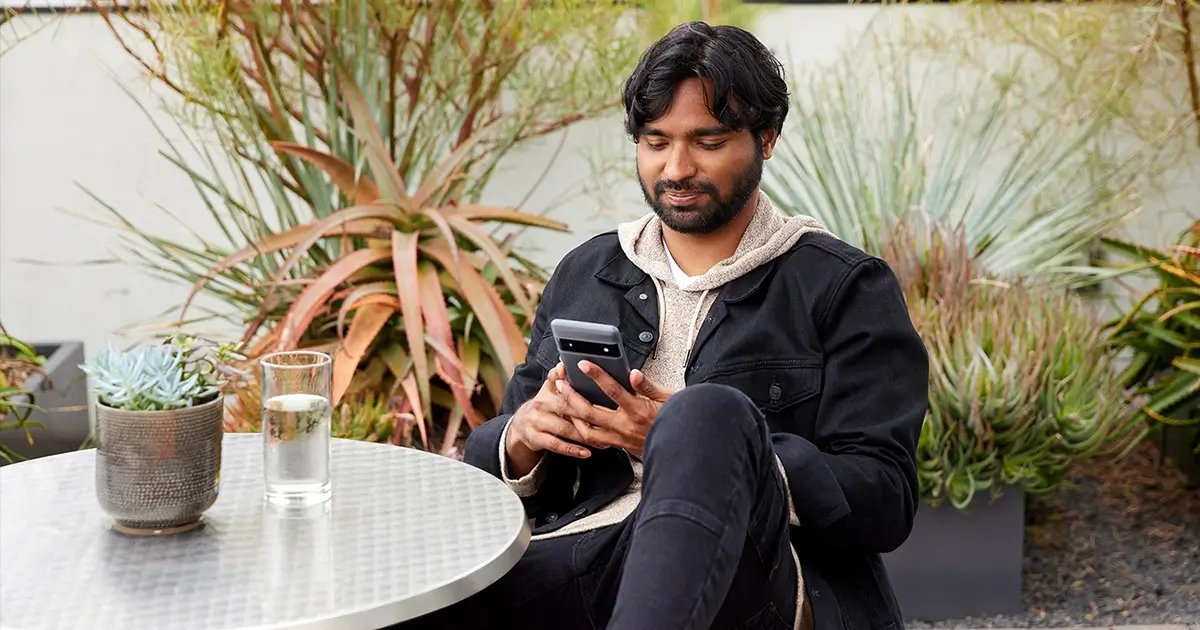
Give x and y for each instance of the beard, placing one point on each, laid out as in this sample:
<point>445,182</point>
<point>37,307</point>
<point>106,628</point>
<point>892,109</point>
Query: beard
<point>704,218</point>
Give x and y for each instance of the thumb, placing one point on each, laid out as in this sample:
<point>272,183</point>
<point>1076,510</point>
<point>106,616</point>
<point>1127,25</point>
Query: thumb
<point>643,386</point>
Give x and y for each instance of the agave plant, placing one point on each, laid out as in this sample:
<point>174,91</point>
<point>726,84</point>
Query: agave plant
<point>182,372</point>
<point>360,135</point>
<point>1162,332</point>
<point>1021,383</point>
<point>966,158</point>
<point>18,361</point>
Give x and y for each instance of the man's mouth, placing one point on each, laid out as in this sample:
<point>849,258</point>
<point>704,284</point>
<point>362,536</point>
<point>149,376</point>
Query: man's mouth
<point>682,197</point>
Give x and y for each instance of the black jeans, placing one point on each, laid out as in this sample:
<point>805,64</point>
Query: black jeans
<point>706,548</point>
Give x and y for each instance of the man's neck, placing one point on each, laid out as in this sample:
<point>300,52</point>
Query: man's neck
<point>697,253</point>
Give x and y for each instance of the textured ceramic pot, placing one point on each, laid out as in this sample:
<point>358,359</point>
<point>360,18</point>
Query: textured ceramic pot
<point>158,471</point>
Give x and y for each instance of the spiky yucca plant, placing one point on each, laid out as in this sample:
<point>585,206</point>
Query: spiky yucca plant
<point>964,158</point>
<point>1021,383</point>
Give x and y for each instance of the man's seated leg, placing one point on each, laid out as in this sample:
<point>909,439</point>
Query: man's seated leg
<point>712,494</point>
<point>541,591</point>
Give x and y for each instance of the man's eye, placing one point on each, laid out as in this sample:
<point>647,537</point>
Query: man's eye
<point>711,146</point>
<point>656,146</point>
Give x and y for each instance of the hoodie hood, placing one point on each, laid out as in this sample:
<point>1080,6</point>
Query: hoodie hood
<point>769,234</point>
<point>681,309</point>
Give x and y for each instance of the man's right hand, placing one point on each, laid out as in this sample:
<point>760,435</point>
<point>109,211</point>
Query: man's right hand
<point>539,426</point>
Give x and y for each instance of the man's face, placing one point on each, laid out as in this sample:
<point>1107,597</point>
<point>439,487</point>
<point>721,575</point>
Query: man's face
<point>695,174</point>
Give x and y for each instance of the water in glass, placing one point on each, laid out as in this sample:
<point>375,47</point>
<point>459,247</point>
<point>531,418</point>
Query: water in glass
<point>296,431</point>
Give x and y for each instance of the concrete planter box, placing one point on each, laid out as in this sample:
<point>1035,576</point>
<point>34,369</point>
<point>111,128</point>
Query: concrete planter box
<point>1178,445</point>
<point>64,399</point>
<point>962,563</point>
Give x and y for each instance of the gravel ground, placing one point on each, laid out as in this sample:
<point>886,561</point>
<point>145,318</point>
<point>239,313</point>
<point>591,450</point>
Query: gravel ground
<point>1117,545</point>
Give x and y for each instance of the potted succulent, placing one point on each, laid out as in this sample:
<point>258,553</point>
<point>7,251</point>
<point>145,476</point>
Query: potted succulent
<point>1022,387</point>
<point>159,416</point>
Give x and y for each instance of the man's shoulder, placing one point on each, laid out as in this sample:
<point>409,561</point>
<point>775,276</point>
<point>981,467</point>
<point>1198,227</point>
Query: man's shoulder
<point>593,253</point>
<point>823,255</point>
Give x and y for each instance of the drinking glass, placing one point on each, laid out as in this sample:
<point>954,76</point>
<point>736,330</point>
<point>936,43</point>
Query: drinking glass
<point>297,416</point>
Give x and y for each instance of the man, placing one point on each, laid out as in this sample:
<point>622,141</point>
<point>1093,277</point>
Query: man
<point>766,458</point>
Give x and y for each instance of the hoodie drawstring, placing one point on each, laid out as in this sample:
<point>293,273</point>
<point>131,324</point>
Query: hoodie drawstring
<point>693,328</point>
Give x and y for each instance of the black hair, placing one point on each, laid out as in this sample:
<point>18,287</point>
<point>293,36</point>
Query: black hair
<point>749,90</point>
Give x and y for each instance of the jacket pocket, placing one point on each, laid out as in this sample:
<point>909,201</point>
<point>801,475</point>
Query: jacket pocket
<point>547,352</point>
<point>772,385</point>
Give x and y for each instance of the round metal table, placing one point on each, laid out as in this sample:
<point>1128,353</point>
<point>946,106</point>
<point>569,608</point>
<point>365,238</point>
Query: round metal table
<point>406,533</point>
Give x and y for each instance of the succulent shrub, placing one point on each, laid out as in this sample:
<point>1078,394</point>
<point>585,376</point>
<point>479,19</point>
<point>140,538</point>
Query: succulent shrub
<point>1022,384</point>
<point>184,371</point>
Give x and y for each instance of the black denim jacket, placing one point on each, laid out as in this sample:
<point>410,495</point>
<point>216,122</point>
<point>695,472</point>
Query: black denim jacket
<point>821,339</point>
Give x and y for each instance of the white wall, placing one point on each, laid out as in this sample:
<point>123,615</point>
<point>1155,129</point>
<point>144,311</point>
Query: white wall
<point>65,122</point>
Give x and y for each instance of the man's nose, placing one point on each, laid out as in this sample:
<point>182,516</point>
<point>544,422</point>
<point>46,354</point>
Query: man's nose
<point>680,165</point>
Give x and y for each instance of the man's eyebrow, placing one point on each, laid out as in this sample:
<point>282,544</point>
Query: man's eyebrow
<point>695,133</point>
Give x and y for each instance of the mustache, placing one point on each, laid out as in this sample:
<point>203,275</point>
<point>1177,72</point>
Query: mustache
<point>663,186</point>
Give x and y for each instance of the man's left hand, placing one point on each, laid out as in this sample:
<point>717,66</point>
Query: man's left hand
<point>627,425</point>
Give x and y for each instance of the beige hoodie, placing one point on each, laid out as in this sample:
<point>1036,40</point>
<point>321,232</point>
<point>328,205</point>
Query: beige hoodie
<point>680,312</point>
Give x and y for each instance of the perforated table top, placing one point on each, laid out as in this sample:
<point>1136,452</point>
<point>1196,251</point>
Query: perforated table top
<point>406,533</point>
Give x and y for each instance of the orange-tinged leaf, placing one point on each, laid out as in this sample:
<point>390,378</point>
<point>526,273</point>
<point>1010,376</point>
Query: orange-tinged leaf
<point>499,259</point>
<point>358,188</point>
<point>493,381</point>
<point>468,350</point>
<point>452,425</point>
<point>414,396</point>
<point>389,301</point>
<point>443,226</point>
<point>369,319</point>
<point>497,322</point>
<point>391,187</point>
<point>313,297</point>
<point>397,360</point>
<point>276,242</point>
<point>327,226</point>
<point>378,293</point>
<point>433,306</point>
<point>404,265</point>
<point>501,214</point>
<point>433,303</point>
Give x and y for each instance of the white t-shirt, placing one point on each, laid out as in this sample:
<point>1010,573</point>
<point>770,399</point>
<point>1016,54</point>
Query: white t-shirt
<point>681,279</point>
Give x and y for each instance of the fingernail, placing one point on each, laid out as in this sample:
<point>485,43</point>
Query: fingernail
<point>581,452</point>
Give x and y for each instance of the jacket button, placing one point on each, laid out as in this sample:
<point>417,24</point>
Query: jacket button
<point>775,392</point>
<point>643,296</point>
<point>646,337</point>
<point>551,517</point>
<point>580,511</point>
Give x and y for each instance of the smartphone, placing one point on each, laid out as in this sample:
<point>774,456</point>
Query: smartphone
<point>599,343</point>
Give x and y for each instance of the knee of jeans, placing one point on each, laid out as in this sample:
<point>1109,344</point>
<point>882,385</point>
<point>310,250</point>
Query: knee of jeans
<point>709,409</point>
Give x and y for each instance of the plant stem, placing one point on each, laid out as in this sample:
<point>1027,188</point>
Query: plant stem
<point>1189,59</point>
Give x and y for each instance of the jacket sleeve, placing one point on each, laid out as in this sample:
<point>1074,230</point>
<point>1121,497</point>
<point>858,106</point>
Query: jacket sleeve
<point>855,485</point>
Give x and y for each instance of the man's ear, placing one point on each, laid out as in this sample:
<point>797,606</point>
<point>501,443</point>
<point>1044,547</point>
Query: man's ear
<point>768,142</point>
